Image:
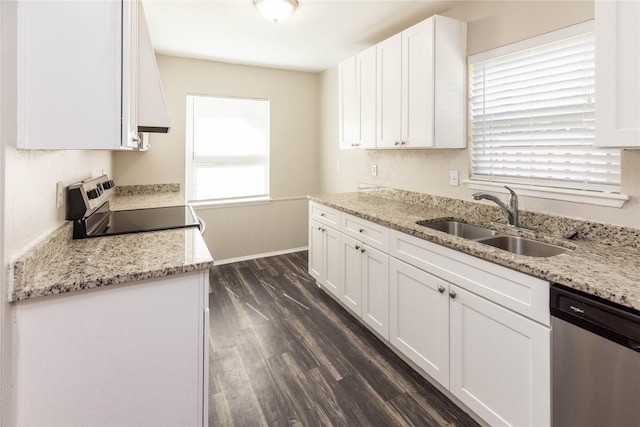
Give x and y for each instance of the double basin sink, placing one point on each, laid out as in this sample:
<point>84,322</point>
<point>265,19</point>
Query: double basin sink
<point>514,244</point>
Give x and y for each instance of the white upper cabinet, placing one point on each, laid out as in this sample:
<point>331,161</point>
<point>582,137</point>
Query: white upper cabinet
<point>617,71</point>
<point>87,77</point>
<point>366,97</point>
<point>421,86</point>
<point>388,94</point>
<point>347,111</point>
<point>357,100</point>
<point>407,91</point>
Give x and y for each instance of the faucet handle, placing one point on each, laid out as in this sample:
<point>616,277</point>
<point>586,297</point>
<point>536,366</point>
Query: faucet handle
<point>513,193</point>
<point>513,198</point>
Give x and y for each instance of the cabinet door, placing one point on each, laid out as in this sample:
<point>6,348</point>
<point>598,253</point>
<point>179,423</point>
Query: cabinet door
<point>69,74</point>
<point>389,96</point>
<point>315,250</point>
<point>331,277</point>
<point>617,70</point>
<point>351,270</point>
<point>500,362</point>
<point>130,137</point>
<point>348,125</point>
<point>375,290</point>
<point>418,85</point>
<point>366,96</point>
<point>324,256</point>
<point>419,318</point>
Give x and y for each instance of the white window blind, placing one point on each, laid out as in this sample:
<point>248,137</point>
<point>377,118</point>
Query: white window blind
<point>227,143</point>
<point>532,114</point>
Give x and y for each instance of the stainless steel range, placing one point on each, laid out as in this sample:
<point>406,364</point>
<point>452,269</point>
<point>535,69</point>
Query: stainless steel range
<point>88,208</point>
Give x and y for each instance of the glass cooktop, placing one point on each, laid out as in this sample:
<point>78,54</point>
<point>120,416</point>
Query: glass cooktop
<point>140,220</point>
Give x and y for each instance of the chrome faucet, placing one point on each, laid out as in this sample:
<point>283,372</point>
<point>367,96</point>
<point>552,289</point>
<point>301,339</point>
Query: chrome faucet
<point>511,208</point>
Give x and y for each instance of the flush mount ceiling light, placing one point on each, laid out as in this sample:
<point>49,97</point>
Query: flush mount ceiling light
<point>275,10</point>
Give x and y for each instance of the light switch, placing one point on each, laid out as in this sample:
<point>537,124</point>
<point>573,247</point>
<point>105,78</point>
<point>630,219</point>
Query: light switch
<point>454,177</point>
<point>59,194</point>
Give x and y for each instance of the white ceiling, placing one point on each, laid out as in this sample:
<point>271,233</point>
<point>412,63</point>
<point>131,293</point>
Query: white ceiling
<point>318,35</point>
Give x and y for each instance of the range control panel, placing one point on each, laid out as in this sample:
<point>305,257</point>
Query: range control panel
<point>87,195</point>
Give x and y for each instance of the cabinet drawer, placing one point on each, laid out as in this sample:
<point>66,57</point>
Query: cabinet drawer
<point>516,291</point>
<point>324,214</point>
<point>374,235</point>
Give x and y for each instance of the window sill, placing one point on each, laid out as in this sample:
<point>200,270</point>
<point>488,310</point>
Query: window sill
<point>612,200</point>
<point>231,203</point>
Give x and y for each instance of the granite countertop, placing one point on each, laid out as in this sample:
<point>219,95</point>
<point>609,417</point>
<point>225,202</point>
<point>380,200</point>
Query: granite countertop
<point>606,270</point>
<point>60,265</point>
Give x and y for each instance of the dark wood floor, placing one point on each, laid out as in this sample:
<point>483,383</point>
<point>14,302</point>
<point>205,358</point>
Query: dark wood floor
<point>283,353</point>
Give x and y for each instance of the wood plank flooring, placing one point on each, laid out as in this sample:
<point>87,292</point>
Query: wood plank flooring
<point>283,353</point>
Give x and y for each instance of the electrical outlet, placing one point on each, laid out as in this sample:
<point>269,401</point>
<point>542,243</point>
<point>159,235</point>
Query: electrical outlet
<point>59,194</point>
<point>374,170</point>
<point>454,177</point>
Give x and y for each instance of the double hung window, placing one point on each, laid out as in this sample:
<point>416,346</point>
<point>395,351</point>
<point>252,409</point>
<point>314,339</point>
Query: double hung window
<point>227,149</point>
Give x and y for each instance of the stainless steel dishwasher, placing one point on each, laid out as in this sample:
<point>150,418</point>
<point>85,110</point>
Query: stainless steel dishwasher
<point>596,361</point>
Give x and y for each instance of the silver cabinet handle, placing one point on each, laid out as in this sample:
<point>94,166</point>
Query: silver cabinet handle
<point>440,288</point>
<point>452,294</point>
<point>361,230</point>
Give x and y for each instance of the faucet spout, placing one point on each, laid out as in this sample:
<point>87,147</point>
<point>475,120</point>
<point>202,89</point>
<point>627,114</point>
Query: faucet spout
<point>510,208</point>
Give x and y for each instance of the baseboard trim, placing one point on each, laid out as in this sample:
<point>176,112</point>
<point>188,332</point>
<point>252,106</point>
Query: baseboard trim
<point>256,256</point>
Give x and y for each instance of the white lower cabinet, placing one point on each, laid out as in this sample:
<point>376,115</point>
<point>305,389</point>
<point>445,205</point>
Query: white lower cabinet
<point>324,256</point>
<point>419,311</point>
<point>134,354</point>
<point>500,362</point>
<point>365,283</point>
<point>480,330</point>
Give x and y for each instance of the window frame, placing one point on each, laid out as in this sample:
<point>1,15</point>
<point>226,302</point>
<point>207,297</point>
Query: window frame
<point>599,194</point>
<point>192,161</point>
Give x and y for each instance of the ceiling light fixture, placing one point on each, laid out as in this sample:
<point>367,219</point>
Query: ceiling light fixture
<point>276,10</point>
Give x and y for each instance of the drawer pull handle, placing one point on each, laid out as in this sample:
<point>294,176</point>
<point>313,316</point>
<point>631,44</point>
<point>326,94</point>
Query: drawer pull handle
<point>440,288</point>
<point>362,250</point>
<point>322,214</point>
<point>361,230</point>
<point>452,294</point>
<point>357,246</point>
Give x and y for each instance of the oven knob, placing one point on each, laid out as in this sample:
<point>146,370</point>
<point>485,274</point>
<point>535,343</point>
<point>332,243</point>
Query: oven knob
<point>93,194</point>
<point>108,184</point>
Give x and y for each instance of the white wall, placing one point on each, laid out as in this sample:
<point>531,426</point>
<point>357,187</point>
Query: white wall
<point>28,182</point>
<point>490,24</point>
<point>240,231</point>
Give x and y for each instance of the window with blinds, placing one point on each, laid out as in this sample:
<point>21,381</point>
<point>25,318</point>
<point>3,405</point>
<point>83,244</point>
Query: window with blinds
<point>532,114</point>
<point>227,145</point>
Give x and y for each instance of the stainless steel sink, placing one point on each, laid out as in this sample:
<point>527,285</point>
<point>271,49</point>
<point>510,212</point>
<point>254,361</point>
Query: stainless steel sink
<point>522,246</point>
<point>514,244</point>
<point>460,229</point>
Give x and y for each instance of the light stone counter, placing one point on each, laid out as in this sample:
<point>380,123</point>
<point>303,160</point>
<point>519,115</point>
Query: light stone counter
<point>603,261</point>
<point>60,265</point>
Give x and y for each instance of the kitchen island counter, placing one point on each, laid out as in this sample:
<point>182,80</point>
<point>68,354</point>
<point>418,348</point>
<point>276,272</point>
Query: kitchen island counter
<point>602,262</point>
